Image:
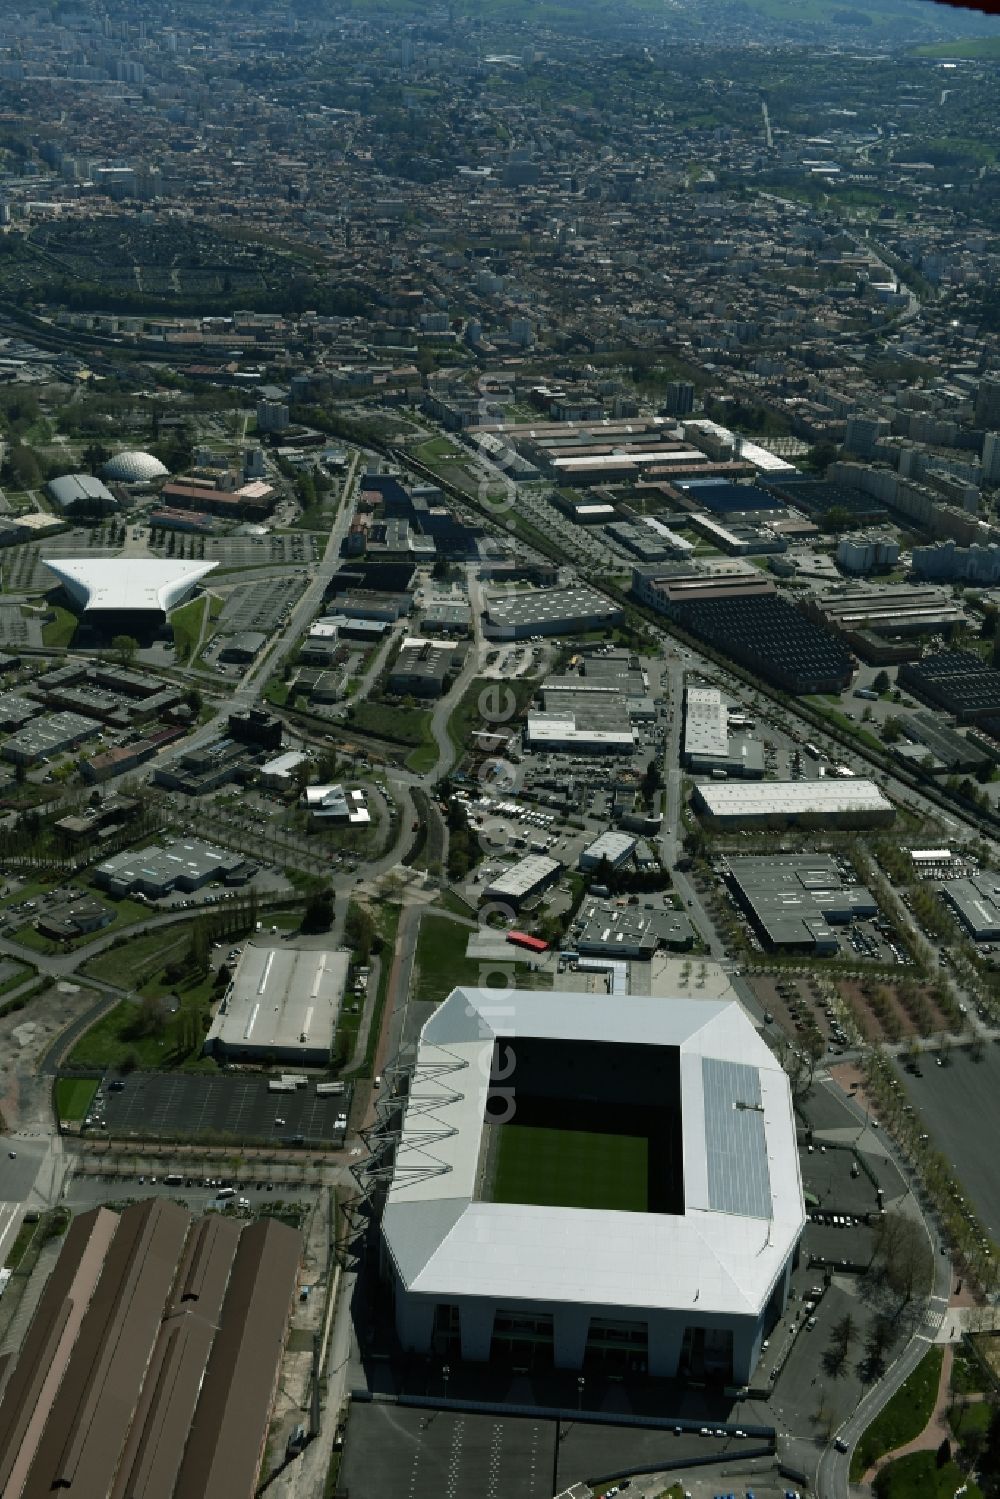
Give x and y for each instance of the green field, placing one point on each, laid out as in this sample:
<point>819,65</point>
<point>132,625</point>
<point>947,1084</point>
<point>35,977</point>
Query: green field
<point>919,1477</point>
<point>571,1169</point>
<point>903,1419</point>
<point>441,962</point>
<point>61,628</point>
<point>74,1096</point>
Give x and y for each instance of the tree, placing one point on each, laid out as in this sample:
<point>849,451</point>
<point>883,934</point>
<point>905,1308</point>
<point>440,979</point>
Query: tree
<point>125,648</point>
<point>359,931</point>
<point>845,1330</point>
<point>902,1258</point>
<point>838,518</point>
<point>318,915</point>
<point>943,1457</point>
<point>95,456</point>
<point>880,682</point>
<point>151,1016</point>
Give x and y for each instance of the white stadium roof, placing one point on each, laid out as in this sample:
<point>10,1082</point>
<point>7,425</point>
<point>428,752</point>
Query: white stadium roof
<point>132,467</point>
<point>743,1204</point>
<point>126,583</point>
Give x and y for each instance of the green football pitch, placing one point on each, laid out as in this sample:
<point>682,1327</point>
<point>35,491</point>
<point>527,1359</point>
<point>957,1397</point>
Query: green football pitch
<point>571,1169</point>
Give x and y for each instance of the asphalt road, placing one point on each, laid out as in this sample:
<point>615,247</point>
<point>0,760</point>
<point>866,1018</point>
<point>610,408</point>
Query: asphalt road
<point>832,1473</point>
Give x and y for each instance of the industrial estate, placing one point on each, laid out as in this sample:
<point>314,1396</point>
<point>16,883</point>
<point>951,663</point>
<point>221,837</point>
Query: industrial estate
<point>499,750</point>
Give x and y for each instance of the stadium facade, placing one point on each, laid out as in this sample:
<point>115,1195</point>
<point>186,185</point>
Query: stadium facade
<point>578,1181</point>
<point>127,585</point>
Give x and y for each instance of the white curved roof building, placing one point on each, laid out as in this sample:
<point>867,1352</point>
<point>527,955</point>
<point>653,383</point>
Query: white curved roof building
<point>588,1180</point>
<point>127,584</point>
<point>134,467</point>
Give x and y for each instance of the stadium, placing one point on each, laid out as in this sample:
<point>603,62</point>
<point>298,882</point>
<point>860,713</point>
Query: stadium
<point>126,595</point>
<point>575,1181</point>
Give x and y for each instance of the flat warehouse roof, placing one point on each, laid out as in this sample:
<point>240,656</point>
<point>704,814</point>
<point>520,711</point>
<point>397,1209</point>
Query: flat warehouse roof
<point>788,798</point>
<point>553,603</point>
<point>281,999</point>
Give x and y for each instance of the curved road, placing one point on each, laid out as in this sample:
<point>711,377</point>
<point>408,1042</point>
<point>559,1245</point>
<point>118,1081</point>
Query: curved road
<point>833,1470</point>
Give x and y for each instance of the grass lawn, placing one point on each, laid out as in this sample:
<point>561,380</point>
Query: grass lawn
<point>848,725</point>
<point>450,901</point>
<point>919,1477</point>
<point>488,706</point>
<point>438,447</point>
<point>74,1096</point>
<point>135,962</point>
<point>904,1418</point>
<point>59,630</point>
<point>966,1376</point>
<point>186,624</point>
<point>441,962</point>
<point>571,1169</point>
<point>395,722</point>
<point>974,1417</point>
<point>18,1249</point>
<point>422,759</point>
<point>112,1043</point>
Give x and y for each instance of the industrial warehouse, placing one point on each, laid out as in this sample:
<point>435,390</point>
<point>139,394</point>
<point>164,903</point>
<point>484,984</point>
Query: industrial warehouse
<point>531,1219</point>
<point>748,621</point>
<point>151,1363</point>
<point>281,1006</point>
<point>796,900</point>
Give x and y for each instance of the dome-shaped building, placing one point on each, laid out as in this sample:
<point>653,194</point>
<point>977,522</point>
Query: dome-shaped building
<point>134,468</point>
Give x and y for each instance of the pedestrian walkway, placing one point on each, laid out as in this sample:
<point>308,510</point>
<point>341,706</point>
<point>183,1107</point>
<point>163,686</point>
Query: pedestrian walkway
<point>937,1428</point>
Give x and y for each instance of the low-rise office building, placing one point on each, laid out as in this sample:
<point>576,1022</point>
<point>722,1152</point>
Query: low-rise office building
<point>48,736</point>
<point>623,931</point>
<point>524,880</point>
<point>337,804</point>
<point>976,903</point>
<point>279,774</point>
<point>612,848</point>
<point>422,668</point>
<point>156,871</point>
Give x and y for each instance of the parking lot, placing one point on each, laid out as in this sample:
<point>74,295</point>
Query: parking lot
<point>261,607</point>
<point>959,1104</point>
<point>260,551</point>
<point>421,1454</point>
<point>193,1106</point>
<point>427,1454</point>
<point>18,630</point>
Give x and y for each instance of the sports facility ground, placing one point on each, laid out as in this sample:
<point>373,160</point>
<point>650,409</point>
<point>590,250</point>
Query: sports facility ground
<point>571,1169</point>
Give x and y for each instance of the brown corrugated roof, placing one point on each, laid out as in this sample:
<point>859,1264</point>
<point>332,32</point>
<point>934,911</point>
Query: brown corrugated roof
<point>164,1413</point>
<point>34,1380</point>
<point>149,1368</point>
<point>224,1450</point>
<point>93,1410</point>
